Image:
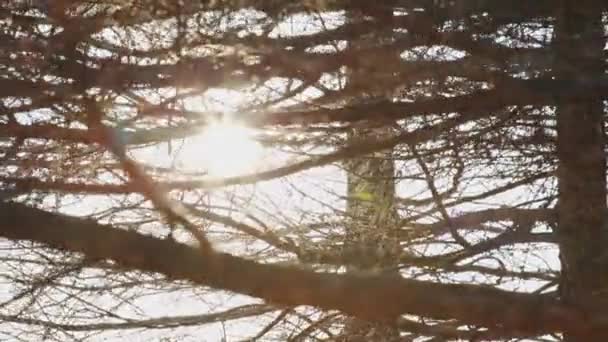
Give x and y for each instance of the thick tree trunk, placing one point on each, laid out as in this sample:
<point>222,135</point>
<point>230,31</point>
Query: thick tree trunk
<point>371,225</point>
<point>370,207</point>
<point>371,198</point>
<point>582,231</point>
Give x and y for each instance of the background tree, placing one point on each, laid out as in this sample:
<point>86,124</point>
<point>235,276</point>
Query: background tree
<point>437,170</point>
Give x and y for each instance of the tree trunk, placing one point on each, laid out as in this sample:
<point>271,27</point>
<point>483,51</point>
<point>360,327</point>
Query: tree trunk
<point>581,229</point>
<point>371,224</point>
<point>370,208</point>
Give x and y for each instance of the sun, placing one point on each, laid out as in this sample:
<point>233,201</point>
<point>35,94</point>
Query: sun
<point>226,148</point>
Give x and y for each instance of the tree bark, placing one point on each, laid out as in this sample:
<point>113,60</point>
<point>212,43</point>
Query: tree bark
<point>370,208</point>
<point>581,230</point>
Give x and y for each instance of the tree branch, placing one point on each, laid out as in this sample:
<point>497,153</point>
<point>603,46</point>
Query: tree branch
<point>368,297</point>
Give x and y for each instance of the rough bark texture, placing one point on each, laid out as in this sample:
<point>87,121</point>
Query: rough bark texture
<point>371,205</point>
<point>372,228</point>
<point>582,230</point>
<point>371,215</point>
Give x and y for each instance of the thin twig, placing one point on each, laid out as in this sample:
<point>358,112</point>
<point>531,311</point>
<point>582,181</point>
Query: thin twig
<point>436,197</point>
<point>173,211</point>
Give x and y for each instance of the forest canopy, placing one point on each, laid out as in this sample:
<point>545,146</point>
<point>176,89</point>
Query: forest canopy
<point>399,170</point>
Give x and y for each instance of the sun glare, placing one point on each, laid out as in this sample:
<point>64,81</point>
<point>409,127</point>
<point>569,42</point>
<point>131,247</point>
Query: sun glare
<point>227,148</point>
